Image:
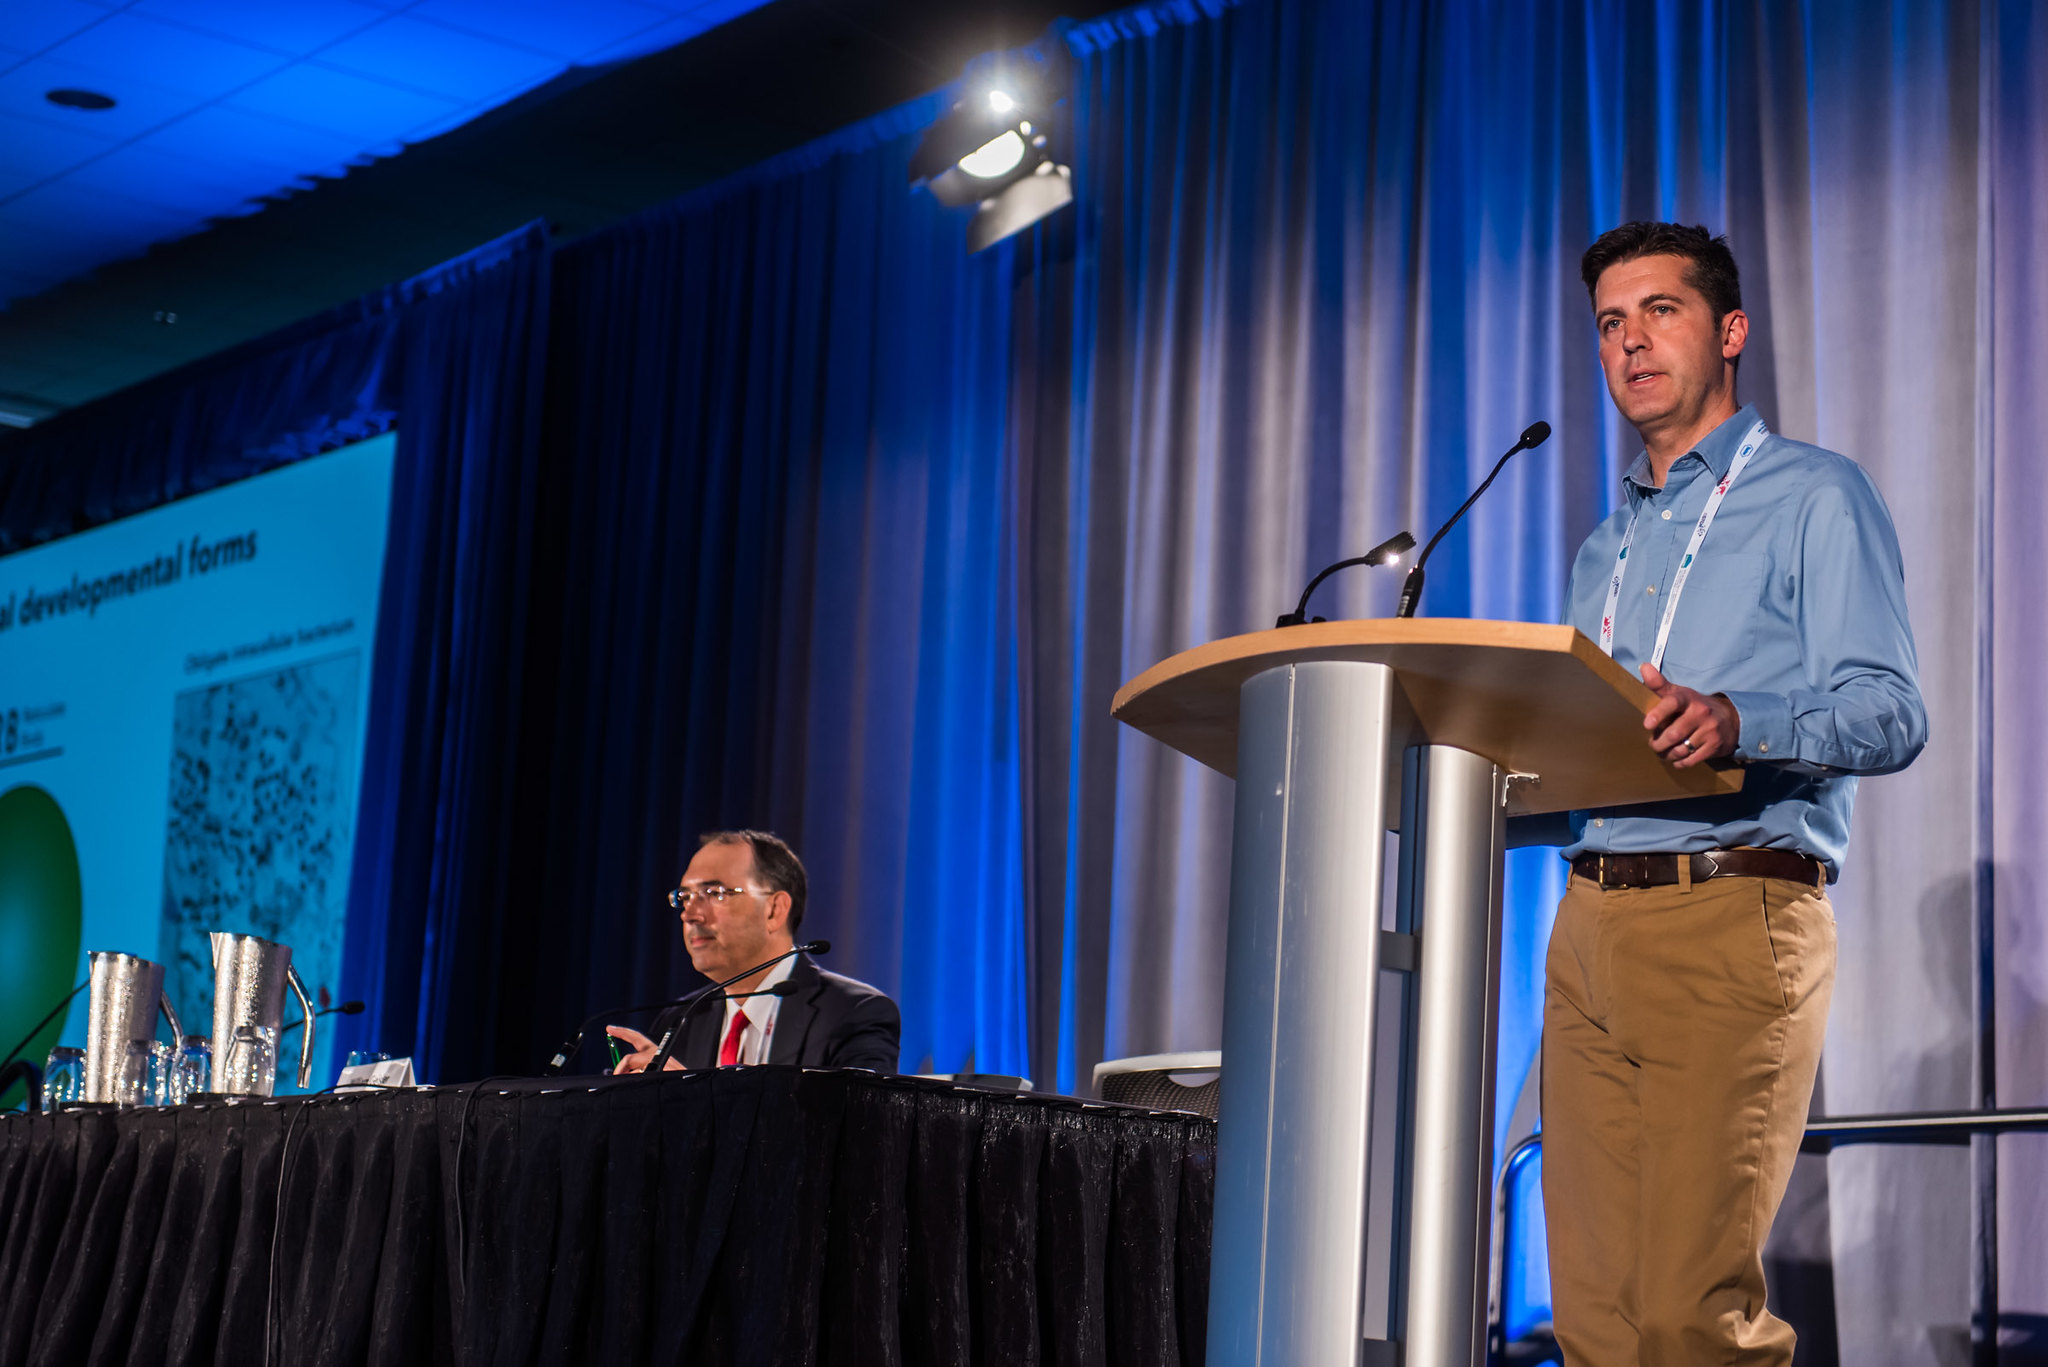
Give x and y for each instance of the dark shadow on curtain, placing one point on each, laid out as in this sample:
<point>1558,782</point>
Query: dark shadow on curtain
<point>435,857</point>
<point>778,594</point>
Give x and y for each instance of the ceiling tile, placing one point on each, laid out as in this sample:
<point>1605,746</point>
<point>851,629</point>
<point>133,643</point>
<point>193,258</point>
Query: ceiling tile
<point>78,215</point>
<point>715,12</point>
<point>149,172</point>
<point>128,48</point>
<point>300,27</point>
<point>320,97</point>
<point>34,26</point>
<point>441,59</point>
<point>137,108</point>
<point>565,31</point>
<point>33,147</point>
<point>239,138</point>
<point>666,35</point>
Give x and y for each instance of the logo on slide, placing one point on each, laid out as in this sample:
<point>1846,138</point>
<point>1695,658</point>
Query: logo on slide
<point>41,917</point>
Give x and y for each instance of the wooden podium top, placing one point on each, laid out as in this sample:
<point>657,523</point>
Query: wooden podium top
<point>1533,698</point>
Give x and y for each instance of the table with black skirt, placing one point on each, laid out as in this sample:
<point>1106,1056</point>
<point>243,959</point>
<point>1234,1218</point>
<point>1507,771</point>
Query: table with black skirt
<point>743,1216</point>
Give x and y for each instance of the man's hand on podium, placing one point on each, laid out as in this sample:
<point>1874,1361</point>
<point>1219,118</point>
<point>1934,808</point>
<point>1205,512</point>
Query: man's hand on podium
<point>1688,727</point>
<point>644,1050</point>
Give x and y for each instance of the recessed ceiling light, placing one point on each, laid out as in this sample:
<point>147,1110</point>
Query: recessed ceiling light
<point>80,99</point>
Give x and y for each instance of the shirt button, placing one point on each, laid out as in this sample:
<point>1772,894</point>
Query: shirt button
<point>1667,514</point>
<point>1764,748</point>
<point>1651,589</point>
<point>1599,821</point>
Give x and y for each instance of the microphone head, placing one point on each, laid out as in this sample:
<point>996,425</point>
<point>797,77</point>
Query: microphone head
<point>815,947</point>
<point>351,1008</point>
<point>1535,434</point>
<point>1391,550</point>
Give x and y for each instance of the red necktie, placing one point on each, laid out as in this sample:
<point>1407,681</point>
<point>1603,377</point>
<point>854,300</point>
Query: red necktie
<point>729,1052</point>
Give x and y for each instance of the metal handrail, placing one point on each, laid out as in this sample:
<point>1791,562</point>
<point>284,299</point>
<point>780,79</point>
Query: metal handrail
<point>1822,1136</point>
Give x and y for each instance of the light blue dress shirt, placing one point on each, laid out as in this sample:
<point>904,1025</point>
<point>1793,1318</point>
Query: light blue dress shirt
<point>1795,609</point>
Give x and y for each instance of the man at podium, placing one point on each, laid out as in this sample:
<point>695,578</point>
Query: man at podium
<point>1755,583</point>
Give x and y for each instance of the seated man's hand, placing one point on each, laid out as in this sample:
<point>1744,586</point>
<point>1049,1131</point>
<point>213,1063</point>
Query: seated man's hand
<point>644,1050</point>
<point>1687,727</point>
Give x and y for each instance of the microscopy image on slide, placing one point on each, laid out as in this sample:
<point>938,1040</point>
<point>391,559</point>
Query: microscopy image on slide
<point>262,807</point>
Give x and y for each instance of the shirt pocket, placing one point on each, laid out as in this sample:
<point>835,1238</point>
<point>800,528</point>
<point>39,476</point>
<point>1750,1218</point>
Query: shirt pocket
<point>1716,622</point>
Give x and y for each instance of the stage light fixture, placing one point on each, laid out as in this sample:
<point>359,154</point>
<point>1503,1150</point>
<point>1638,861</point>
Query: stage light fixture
<point>991,150</point>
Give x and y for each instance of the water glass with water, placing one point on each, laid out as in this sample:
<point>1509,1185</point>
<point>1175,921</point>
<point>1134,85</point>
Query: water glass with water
<point>163,1063</point>
<point>63,1078</point>
<point>193,1070</point>
<point>131,1087</point>
<point>251,1061</point>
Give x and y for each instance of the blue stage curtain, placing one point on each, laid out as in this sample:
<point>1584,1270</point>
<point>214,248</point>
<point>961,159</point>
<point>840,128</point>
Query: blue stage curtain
<point>436,849</point>
<point>779,491</point>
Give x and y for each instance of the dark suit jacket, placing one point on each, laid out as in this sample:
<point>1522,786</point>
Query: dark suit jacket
<point>828,1021</point>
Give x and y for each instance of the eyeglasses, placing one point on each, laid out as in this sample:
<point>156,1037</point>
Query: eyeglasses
<point>713,893</point>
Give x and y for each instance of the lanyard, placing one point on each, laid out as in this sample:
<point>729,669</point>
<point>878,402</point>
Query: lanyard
<point>1749,446</point>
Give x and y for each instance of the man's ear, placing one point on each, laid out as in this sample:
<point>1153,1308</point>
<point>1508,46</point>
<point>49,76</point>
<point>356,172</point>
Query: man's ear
<point>778,909</point>
<point>1734,334</point>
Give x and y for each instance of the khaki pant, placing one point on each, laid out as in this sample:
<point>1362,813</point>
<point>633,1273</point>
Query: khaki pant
<point>1681,1035</point>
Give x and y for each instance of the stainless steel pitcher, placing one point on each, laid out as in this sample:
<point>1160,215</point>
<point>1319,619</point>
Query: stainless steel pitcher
<point>250,975</point>
<point>126,994</point>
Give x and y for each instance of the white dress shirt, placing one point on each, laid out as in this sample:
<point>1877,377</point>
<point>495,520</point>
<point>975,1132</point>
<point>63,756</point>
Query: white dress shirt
<point>761,1014</point>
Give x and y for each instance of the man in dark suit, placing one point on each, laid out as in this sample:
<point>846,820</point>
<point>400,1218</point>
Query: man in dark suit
<point>742,902</point>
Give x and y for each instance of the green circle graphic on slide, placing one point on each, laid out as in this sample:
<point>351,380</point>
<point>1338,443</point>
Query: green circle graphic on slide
<point>42,913</point>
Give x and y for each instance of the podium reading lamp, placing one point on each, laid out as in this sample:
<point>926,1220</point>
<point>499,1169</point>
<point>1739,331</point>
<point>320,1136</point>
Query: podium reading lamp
<point>1437,728</point>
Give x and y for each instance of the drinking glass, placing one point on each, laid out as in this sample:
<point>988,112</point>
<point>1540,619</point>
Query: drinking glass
<point>190,1075</point>
<point>163,1064</point>
<point>251,1062</point>
<point>63,1078</point>
<point>131,1088</point>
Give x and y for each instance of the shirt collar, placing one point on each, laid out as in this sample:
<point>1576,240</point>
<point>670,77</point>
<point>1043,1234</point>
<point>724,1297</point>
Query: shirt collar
<point>756,1007</point>
<point>1716,450</point>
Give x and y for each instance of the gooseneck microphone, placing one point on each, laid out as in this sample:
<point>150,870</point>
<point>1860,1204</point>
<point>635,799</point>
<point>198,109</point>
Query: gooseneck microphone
<point>1534,435</point>
<point>344,1009</point>
<point>575,1041</point>
<point>1387,552</point>
<point>674,1036</point>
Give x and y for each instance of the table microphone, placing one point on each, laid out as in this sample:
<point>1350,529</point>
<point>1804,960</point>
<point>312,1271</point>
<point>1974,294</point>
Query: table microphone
<point>1535,434</point>
<point>575,1041</point>
<point>345,1009</point>
<point>1388,552</point>
<point>675,1031</point>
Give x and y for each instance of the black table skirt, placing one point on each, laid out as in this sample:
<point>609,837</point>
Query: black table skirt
<point>745,1216</point>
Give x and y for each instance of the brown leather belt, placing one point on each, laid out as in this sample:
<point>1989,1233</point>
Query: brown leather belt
<point>1661,870</point>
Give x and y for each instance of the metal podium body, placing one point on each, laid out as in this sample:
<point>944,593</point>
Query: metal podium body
<point>1338,733</point>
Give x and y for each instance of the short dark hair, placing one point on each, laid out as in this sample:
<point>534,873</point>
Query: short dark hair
<point>1712,271</point>
<point>775,864</point>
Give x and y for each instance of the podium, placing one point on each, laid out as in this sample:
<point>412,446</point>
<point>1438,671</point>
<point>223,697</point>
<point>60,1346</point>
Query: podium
<point>1337,732</point>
